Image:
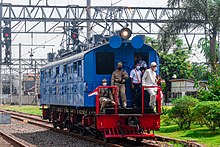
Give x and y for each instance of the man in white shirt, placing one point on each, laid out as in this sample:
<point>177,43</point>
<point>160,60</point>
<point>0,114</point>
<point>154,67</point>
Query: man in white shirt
<point>149,79</point>
<point>135,76</point>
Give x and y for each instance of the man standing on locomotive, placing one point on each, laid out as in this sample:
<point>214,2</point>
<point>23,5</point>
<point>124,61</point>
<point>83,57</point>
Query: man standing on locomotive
<point>118,79</point>
<point>135,76</point>
<point>149,79</point>
<point>105,95</point>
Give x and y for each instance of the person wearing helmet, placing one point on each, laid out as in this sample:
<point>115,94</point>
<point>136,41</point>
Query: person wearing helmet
<point>106,97</point>
<point>149,79</point>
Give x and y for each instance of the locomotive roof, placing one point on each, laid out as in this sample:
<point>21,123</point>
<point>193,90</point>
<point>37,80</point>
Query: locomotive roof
<point>76,57</point>
<point>66,60</point>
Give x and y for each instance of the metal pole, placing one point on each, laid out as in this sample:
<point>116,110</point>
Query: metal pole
<point>35,82</point>
<point>20,84</point>
<point>10,83</point>
<point>88,14</point>
<point>1,52</point>
<point>1,82</point>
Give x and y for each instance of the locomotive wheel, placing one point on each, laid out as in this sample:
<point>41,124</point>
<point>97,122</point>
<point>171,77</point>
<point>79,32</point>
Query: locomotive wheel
<point>70,128</point>
<point>61,126</point>
<point>54,124</point>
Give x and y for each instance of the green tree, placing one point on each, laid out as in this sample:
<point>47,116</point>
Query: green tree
<point>199,71</point>
<point>174,64</point>
<point>204,44</point>
<point>195,10</point>
<point>152,42</point>
<point>166,39</point>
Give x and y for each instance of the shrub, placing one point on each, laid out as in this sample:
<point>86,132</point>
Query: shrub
<point>213,92</point>
<point>166,109</point>
<point>167,120</point>
<point>181,113</point>
<point>209,113</point>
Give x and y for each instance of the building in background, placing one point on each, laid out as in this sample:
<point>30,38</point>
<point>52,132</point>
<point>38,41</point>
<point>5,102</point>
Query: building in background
<point>182,87</point>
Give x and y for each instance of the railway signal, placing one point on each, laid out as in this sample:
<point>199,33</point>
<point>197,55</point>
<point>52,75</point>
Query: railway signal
<point>7,44</point>
<point>7,32</point>
<point>75,36</point>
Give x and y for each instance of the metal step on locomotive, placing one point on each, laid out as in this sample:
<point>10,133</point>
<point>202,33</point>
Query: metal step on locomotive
<point>66,83</point>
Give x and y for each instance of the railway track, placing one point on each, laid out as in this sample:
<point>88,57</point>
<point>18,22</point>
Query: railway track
<point>157,142</point>
<point>12,140</point>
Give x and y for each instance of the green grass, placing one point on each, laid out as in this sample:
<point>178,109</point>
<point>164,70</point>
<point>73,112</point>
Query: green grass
<point>197,133</point>
<point>26,109</point>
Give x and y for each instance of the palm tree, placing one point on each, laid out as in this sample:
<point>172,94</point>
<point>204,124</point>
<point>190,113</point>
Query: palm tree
<point>197,13</point>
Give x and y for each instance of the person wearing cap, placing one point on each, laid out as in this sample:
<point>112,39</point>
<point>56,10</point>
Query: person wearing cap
<point>105,96</point>
<point>135,76</point>
<point>118,79</point>
<point>149,79</point>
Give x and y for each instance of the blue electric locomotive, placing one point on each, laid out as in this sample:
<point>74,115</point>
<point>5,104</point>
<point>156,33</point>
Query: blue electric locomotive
<point>66,83</point>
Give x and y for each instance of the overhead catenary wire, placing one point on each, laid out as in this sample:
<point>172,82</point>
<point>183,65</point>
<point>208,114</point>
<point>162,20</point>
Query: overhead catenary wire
<point>42,44</point>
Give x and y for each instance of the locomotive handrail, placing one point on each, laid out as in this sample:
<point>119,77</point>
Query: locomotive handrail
<point>98,96</point>
<point>158,97</point>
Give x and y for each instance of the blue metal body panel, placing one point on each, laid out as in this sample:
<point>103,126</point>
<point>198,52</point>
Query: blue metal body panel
<point>71,87</point>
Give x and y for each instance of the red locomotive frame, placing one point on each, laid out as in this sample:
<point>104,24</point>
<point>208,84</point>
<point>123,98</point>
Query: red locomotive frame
<point>114,126</point>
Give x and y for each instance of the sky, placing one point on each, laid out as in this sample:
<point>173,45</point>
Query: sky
<point>56,39</point>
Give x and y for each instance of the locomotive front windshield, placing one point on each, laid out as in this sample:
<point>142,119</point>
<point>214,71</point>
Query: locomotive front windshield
<point>103,59</point>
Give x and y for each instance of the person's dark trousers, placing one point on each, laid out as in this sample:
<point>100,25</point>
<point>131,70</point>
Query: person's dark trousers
<point>136,94</point>
<point>146,99</point>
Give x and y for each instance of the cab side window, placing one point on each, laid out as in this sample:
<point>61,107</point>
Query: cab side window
<point>105,62</point>
<point>65,68</point>
<point>50,72</point>
<point>75,67</point>
<point>57,71</point>
<point>79,69</point>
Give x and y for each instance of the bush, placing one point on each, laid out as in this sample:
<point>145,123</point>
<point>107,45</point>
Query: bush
<point>166,120</point>
<point>181,113</point>
<point>209,113</point>
<point>213,92</point>
<point>166,109</point>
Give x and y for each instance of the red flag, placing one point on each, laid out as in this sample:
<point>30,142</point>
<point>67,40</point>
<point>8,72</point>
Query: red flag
<point>94,92</point>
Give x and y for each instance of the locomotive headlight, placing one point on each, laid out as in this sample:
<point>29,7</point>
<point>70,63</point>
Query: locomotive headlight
<point>125,33</point>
